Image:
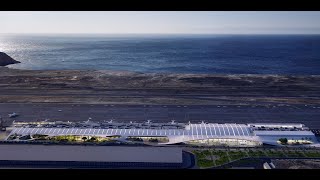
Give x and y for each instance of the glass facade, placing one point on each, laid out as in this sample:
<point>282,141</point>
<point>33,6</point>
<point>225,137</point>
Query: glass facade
<point>225,142</point>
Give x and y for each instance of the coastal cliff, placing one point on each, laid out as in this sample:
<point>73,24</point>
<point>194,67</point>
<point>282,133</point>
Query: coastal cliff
<point>6,60</point>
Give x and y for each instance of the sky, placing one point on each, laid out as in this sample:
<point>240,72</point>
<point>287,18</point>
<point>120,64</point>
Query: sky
<point>161,22</point>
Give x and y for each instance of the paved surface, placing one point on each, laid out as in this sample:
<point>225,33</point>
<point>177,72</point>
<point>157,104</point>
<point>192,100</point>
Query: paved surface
<point>90,153</point>
<point>188,160</point>
<point>309,115</point>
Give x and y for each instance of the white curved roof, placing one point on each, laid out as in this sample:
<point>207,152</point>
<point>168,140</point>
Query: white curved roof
<point>190,132</point>
<point>197,130</point>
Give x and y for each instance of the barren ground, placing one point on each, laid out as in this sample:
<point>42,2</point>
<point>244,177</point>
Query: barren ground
<point>108,87</point>
<point>296,163</point>
<point>129,96</point>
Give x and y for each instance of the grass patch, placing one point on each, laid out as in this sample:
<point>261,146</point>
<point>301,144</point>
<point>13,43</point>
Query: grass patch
<point>203,158</point>
<point>219,153</point>
<point>221,160</point>
<point>300,154</point>
<point>256,153</point>
<point>312,154</point>
<point>202,154</point>
<point>234,155</point>
<point>222,157</point>
<point>293,154</point>
<point>204,163</point>
<point>275,153</point>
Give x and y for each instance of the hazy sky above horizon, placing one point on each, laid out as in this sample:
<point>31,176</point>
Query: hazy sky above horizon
<point>162,22</point>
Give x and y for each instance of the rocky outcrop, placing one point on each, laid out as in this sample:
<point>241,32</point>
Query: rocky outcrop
<point>6,60</point>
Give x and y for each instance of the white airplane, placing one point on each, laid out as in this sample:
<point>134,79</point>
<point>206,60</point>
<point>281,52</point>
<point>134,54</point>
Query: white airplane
<point>13,115</point>
<point>87,121</point>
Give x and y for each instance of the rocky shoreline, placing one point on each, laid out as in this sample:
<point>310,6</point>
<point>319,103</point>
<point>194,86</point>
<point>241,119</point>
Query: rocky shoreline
<point>6,59</point>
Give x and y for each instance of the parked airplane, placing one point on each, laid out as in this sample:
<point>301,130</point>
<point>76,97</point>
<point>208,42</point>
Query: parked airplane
<point>13,115</point>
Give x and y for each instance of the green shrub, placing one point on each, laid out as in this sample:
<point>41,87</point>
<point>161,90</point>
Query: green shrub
<point>204,163</point>
<point>283,140</point>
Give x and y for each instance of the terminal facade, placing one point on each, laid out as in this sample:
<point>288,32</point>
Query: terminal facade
<point>201,134</point>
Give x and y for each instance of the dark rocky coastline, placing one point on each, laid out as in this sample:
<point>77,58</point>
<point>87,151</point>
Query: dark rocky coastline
<point>6,59</point>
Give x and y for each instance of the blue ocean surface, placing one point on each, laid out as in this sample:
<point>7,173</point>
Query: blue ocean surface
<point>209,54</point>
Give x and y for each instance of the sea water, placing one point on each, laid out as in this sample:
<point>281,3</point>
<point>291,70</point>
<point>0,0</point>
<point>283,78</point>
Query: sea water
<point>209,54</point>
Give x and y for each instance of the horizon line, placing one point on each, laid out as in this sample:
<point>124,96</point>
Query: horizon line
<point>49,33</point>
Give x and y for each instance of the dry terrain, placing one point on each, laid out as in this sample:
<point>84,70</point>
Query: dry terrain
<point>108,87</point>
<point>76,95</point>
<point>297,163</point>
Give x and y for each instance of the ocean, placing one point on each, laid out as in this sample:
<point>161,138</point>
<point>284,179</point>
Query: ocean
<point>200,54</point>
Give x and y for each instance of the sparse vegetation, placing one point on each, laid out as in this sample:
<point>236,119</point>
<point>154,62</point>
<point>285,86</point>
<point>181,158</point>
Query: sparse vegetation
<point>40,136</point>
<point>26,137</point>
<point>13,137</point>
<point>135,139</point>
<point>205,163</point>
<point>222,160</point>
<point>256,153</point>
<point>234,155</point>
<point>274,153</point>
<point>283,141</point>
<point>222,157</point>
<point>212,158</point>
<point>312,154</point>
<point>204,158</point>
<point>290,153</point>
<point>153,140</point>
<point>95,82</point>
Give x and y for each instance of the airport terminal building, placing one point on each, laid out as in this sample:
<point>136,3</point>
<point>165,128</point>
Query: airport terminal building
<point>201,134</point>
